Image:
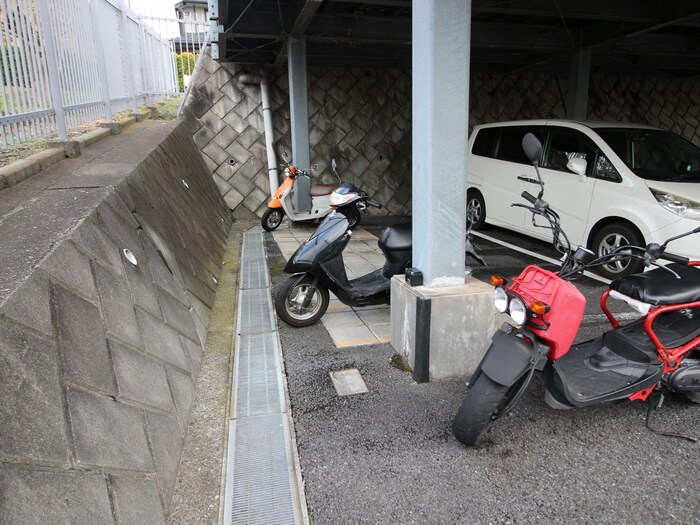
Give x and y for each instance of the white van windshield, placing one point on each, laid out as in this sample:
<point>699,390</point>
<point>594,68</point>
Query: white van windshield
<point>654,154</point>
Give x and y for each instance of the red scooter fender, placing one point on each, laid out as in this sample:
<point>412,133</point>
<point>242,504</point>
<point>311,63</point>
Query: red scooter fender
<point>508,358</point>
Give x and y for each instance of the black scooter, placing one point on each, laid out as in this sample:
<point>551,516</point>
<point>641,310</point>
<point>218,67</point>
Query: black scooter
<point>317,265</point>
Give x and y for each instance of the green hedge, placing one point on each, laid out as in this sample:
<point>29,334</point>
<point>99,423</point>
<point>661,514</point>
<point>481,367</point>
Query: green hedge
<point>185,66</point>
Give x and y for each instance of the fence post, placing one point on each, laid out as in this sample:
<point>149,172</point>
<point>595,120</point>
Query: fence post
<point>129,67</point>
<point>52,66</point>
<point>101,60</point>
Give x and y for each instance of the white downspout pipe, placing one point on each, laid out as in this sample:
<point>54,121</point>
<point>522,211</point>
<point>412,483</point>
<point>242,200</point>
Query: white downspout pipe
<point>267,121</point>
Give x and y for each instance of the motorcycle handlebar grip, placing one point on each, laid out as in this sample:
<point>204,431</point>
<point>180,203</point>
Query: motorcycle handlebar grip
<point>675,258</point>
<point>531,199</point>
<point>373,203</point>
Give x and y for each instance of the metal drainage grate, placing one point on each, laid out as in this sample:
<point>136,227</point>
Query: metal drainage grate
<point>262,483</point>
<point>259,389</point>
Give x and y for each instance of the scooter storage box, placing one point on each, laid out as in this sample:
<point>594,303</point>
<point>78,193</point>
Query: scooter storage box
<point>396,243</point>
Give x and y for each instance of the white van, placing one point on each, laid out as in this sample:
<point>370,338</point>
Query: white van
<point>641,184</point>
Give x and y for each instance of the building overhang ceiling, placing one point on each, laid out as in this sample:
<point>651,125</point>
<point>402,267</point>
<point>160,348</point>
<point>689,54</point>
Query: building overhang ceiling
<point>630,36</point>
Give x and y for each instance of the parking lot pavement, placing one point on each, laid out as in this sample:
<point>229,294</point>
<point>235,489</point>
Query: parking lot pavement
<point>388,456</point>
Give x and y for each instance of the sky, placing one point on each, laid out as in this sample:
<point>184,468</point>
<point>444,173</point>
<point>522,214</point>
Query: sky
<point>156,8</point>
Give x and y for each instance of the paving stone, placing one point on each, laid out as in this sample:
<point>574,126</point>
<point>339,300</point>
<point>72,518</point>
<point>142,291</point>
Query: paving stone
<point>117,306</point>
<point>182,389</point>
<point>225,137</point>
<point>223,106</point>
<point>140,378</point>
<point>33,497</point>
<point>92,239</point>
<point>177,315</point>
<point>215,153</point>
<point>194,353</point>
<point>239,153</point>
<point>81,341</point>
<point>29,305</point>
<point>203,137</point>
<point>142,289</point>
<point>167,278</point>
<point>71,267</point>
<point>161,341</point>
<point>31,410</point>
<point>136,500</point>
<point>107,433</point>
<point>164,435</point>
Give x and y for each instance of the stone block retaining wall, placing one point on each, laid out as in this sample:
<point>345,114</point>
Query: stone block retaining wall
<point>98,356</point>
<point>362,117</point>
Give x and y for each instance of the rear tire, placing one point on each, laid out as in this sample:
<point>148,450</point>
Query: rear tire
<point>484,400</point>
<point>477,208</point>
<point>611,236</point>
<point>272,218</point>
<point>290,293</point>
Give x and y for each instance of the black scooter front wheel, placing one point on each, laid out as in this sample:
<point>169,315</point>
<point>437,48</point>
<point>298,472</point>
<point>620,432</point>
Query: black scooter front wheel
<point>290,296</point>
<point>272,218</point>
<point>482,404</point>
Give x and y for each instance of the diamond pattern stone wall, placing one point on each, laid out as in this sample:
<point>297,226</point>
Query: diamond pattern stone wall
<point>99,357</point>
<point>362,118</point>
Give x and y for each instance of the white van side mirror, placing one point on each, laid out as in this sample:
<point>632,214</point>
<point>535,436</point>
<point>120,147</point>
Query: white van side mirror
<point>578,166</point>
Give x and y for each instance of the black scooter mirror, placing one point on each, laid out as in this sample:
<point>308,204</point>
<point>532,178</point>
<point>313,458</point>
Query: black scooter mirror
<point>532,148</point>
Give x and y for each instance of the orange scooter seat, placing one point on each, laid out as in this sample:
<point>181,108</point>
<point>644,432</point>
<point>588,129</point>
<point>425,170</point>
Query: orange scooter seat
<point>318,190</point>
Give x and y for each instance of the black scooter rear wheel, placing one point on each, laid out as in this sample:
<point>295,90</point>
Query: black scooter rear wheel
<point>289,296</point>
<point>483,402</point>
<point>272,218</point>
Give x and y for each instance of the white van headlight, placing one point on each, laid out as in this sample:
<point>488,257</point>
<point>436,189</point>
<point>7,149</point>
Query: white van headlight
<point>686,208</point>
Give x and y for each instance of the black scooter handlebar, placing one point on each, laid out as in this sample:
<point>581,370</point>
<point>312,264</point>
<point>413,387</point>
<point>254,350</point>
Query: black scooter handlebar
<point>530,198</point>
<point>675,258</point>
<point>373,203</point>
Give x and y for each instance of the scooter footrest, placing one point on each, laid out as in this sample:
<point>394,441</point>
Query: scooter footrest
<point>595,372</point>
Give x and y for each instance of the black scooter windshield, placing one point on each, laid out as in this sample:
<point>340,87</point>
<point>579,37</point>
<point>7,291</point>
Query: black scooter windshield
<point>324,244</point>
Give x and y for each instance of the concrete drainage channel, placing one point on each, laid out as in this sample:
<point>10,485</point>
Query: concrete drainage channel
<point>263,479</point>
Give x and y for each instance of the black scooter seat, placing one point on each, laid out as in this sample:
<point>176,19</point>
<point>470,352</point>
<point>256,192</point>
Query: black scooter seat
<point>397,237</point>
<point>659,286</point>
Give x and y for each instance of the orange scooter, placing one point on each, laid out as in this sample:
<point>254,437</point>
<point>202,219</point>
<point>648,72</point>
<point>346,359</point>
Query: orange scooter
<point>301,200</point>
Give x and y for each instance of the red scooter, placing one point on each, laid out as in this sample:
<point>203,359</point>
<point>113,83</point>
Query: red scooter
<point>627,362</point>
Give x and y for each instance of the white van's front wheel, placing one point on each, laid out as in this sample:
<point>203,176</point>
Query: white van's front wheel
<point>610,237</point>
<point>476,209</point>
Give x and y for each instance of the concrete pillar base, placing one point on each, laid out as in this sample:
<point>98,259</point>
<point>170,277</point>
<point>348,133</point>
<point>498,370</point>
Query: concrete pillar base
<point>442,331</point>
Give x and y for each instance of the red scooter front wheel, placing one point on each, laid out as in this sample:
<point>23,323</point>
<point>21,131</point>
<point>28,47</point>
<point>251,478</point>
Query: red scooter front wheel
<point>481,406</point>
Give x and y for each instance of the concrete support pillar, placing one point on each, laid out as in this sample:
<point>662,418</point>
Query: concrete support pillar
<point>441,327</point>
<point>298,105</point>
<point>441,38</point>
<point>579,75</point>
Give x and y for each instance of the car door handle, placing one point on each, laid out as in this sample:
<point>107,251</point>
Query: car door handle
<point>528,179</point>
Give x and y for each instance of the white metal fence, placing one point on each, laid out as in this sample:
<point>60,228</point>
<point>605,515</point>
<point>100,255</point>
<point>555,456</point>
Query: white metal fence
<point>67,62</point>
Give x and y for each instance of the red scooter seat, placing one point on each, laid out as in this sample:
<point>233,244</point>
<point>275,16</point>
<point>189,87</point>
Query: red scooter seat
<point>318,190</point>
<point>659,286</point>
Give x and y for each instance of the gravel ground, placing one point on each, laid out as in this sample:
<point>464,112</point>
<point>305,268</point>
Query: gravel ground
<point>389,456</point>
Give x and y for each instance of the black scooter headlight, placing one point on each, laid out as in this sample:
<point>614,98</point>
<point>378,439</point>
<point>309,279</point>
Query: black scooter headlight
<point>500,299</point>
<point>337,199</point>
